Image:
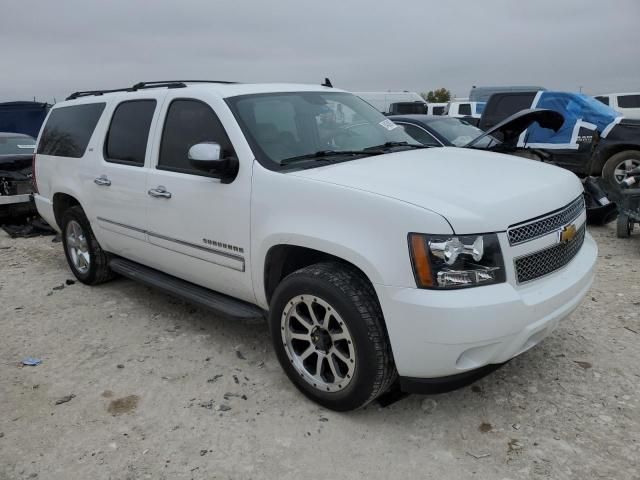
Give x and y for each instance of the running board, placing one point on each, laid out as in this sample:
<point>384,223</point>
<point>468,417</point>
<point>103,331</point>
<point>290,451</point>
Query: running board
<point>214,301</point>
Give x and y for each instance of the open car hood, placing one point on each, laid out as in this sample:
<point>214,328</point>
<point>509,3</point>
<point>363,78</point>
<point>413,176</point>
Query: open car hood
<point>511,128</point>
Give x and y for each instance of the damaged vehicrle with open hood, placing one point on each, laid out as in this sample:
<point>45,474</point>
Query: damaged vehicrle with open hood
<point>16,157</point>
<point>378,261</point>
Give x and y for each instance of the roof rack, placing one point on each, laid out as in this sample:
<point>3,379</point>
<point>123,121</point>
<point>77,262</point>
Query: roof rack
<point>144,85</point>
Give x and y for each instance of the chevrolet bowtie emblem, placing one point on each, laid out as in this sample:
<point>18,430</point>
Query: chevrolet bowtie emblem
<point>568,233</point>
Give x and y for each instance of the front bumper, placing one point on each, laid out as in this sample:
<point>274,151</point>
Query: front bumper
<point>442,333</point>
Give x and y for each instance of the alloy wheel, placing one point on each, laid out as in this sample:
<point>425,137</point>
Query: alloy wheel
<point>318,343</point>
<point>621,170</point>
<point>78,247</point>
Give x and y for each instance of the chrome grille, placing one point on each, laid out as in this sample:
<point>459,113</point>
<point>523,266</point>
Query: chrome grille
<point>543,262</point>
<point>537,228</point>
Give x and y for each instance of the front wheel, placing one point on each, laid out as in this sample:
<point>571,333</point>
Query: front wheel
<point>329,336</point>
<point>617,166</point>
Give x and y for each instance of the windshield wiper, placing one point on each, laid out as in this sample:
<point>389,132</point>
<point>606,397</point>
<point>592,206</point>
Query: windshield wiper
<point>323,154</point>
<point>398,144</point>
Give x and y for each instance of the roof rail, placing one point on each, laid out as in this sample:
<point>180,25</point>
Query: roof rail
<point>144,85</point>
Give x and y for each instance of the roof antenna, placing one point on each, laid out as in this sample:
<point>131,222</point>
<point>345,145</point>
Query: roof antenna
<point>327,83</point>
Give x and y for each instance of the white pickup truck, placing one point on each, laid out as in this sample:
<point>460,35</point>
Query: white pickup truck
<point>379,261</point>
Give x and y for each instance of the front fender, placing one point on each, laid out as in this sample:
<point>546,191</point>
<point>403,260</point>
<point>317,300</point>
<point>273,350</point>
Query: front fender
<point>365,229</point>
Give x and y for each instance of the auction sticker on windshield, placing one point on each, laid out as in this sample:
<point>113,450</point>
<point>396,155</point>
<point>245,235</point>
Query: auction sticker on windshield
<point>388,124</point>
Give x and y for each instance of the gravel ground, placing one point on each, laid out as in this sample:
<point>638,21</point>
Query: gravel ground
<point>134,384</point>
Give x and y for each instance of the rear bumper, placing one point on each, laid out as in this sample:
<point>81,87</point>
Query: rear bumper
<point>45,209</point>
<point>442,333</point>
<point>15,199</point>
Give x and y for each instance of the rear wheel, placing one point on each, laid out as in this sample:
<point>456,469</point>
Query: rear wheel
<point>329,336</point>
<point>624,227</point>
<point>616,167</point>
<point>87,260</point>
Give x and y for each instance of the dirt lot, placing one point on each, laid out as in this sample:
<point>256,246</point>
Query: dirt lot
<point>154,388</point>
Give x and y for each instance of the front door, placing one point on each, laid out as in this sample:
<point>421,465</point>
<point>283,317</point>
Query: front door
<point>199,227</point>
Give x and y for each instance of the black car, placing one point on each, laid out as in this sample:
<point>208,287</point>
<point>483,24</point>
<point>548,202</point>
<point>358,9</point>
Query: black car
<point>439,130</point>
<point>593,140</point>
<point>16,155</point>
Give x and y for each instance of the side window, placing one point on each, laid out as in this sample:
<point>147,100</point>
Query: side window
<point>464,109</point>
<point>420,135</point>
<point>629,101</point>
<point>129,131</point>
<point>69,129</point>
<point>510,104</point>
<point>188,123</point>
<point>604,100</point>
<point>438,110</point>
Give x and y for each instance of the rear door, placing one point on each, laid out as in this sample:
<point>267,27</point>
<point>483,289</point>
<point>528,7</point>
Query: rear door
<point>118,189</point>
<point>198,227</point>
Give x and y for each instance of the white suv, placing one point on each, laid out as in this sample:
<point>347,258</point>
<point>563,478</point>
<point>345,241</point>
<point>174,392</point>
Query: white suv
<point>378,260</point>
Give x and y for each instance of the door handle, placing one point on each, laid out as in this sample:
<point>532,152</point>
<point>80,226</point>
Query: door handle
<point>159,192</point>
<point>102,181</point>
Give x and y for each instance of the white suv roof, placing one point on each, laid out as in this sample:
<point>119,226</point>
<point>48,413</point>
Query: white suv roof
<point>219,88</point>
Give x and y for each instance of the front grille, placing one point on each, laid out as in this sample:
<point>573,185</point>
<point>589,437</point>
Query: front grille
<point>543,262</point>
<point>537,228</point>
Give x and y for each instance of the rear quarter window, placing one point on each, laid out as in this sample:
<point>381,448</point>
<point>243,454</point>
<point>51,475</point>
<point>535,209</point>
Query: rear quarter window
<point>69,129</point>
<point>464,109</point>
<point>629,101</point>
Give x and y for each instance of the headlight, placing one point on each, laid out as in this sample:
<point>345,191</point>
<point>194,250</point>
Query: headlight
<point>456,261</point>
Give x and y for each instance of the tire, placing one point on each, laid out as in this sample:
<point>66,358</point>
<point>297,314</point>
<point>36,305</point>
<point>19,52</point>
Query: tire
<point>340,299</point>
<point>623,226</point>
<point>620,161</point>
<point>87,260</point>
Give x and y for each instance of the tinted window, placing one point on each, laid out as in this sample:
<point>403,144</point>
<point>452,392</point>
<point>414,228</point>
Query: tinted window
<point>438,110</point>
<point>69,129</point>
<point>604,100</point>
<point>420,135</point>
<point>629,101</point>
<point>188,123</point>
<point>510,104</point>
<point>129,131</point>
<point>464,109</point>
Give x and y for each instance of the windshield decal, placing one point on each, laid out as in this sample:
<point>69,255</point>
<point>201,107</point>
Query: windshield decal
<point>388,124</point>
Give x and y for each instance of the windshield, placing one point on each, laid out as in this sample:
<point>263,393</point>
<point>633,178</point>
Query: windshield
<point>289,125</point>
<point>458,132</point>
<point>18,145</point>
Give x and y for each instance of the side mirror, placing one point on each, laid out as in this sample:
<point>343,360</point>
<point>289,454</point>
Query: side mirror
<point>207,156</point>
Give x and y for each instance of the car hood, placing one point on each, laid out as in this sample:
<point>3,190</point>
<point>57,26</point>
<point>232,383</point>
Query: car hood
<point>475,191</point>
<point>511,127</point>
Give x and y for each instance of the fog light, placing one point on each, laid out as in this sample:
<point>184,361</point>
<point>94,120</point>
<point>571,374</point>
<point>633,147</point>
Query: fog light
<point>460,278</point>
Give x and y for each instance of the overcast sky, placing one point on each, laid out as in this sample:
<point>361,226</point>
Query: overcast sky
<point>49,48</point>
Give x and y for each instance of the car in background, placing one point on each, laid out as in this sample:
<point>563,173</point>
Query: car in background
<point>439,130</point>
<point>384,101</point>
<point>436,108</point>
<point>470,111</point>
<point>628,104</point>
<point>593,140</point>
<point>408,108</point>
<point>16,156</point>
<point>483,94</point>
<point>23,117</point>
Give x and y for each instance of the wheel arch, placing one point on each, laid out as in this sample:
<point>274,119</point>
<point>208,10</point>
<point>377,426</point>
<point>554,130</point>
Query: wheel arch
<point>61,202</point>
<point>282,259</point>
